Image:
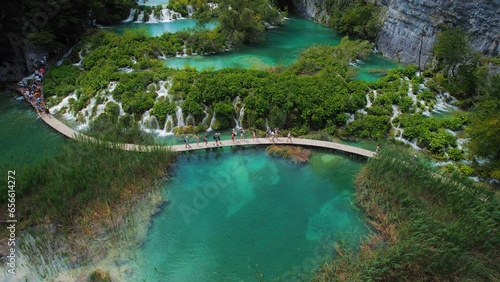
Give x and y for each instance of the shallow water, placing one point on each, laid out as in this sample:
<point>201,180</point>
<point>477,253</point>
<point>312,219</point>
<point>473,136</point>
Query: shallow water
<point>24,138</point>
<point>244,216</point>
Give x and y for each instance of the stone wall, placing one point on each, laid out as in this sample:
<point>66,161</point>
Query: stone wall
<point>409,27</point>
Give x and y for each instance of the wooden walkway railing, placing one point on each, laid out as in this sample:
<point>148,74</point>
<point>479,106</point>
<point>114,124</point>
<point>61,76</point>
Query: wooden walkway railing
<point>69,132</point>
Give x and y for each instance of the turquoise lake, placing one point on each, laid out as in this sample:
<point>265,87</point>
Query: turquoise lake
<point>234,215</point>
<point>24,138</point>
<point>241,215</point>
<point>281,47</point>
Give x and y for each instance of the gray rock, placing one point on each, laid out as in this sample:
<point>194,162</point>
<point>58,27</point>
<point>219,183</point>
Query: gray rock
<point>410,26</point>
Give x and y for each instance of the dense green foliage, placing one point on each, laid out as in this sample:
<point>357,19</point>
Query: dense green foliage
<point>484,129</point>
<point>428,227</point>
<point>54,24</point>
<point>358,18</point>
<point>82,178</point>
<point>316,92</point>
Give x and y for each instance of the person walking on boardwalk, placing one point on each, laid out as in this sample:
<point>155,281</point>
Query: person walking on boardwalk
<point>254,135</point>
<point>289,137</point>
<point>242,134</point>
<point>205,139</point>
<point>197,139</point>
<point>186,141</point>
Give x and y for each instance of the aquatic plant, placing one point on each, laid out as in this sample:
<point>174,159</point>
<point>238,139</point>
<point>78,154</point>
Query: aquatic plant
<point>429,227</point>
<point>295,153</point>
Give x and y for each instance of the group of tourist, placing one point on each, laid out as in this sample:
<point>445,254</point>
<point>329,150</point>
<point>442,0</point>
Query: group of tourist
<point>33,93</point>
<point>272,135</point>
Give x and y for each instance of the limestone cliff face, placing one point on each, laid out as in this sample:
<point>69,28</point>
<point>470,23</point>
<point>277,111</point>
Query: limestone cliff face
<point>409,27</point>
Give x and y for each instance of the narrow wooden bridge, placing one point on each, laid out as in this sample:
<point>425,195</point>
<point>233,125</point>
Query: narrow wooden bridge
<point>69,132</point>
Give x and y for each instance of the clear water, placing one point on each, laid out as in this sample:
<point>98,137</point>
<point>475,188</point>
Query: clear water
<point>244,216</point>
<point>281,47</point>
<point>24,138</point>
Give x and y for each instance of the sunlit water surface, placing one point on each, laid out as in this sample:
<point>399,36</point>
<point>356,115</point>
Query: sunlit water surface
<point>241,215</point>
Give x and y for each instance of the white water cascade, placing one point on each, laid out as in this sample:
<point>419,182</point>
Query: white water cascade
<point>239,109</point>
<point>180,117</point>
<point>168,129</point>
<point>149,123</point>
<point>350,118</point>
<point>152,17</point>
<point>212,121</point>
<point>190,10</point>
<point>140,17</point>
<point>167,15</point>
<point>130,16</point>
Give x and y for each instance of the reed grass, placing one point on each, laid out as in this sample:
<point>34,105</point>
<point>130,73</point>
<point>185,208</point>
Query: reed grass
<point>85,182</point>
<point>429,227</point>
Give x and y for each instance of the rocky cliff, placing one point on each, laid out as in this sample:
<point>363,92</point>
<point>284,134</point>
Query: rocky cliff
<point>409,27</point>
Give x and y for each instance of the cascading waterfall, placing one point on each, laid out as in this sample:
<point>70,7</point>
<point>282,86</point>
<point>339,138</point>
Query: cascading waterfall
<point>368,102</point>
<point>190,120</point>
<point>212,121</point>
<point>180,117</point>
<point>190,10</point>
<point>442,105</point>
<point>239,110</point>
<point>152,17</point>
<point>168,129</point>
<point>350,118</point>
<point>130,16</point>
<point>140,17</point>
<point>79,64</point>
<point>149,123</point>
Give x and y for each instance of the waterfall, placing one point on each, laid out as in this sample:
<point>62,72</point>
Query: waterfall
<point>240,118</point>
<point>140,17</point>
<point>63,104</point>
<point>130,16</point>
<point>442,105</point>
<point>368,102</point>
<point>205,118</point>
<point>190,10</point>
<point>165,15</point>
<point>270,26</point>
<point>149,123</point>
<point>190,120</point>
<point>179,116</point>
<point>162,92</point>
<point>79,64</point>
<point>152,17</point>
<point>350,119</point>
<point>237,126</point>
<point>168,128</point>
<point>211,122</point>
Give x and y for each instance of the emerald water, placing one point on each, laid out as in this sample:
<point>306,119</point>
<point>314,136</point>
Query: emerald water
<point>24,138</point>
<point>281,47</point>
<point>246,216</point>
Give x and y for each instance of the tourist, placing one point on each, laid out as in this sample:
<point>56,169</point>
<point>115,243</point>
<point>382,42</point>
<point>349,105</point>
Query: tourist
<point>215,139</point>
<point>289,136</point>
<point>242,134</point>
<point>205,139</point>
<point>233,135</point>
<point>254,135</point>
<point>197,140</point>
<point>186,141</point>
<point>218,139</point>
<point>272,135</point>
<point>377,149</point>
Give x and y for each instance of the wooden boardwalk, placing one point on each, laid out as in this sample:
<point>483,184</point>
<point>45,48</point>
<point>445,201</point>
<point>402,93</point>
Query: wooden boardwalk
<point>70,133</point>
